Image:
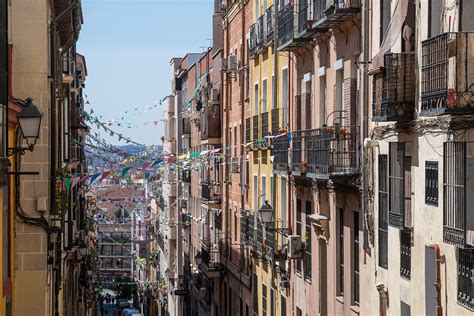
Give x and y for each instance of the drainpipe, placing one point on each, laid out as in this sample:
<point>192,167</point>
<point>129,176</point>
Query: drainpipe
<point>242,149</point>
<point>365,127</point>
<point>439,307</point>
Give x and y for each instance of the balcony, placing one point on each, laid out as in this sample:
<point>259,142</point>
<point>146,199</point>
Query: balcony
<point>211,124</point>
<point>210,193</point>
<point>310,12</point>
<point>447,74</point>
<point>280,148</point>
<point>260,33</point>
<point>324,153</point>
<point>248,130</point>
<point>286,27</point>
<point>259,240</point>
<point>275,121</point>
<point>331,13</point>
<point>253,40</point>
<point>269,26</point>
<point>270,244</point>
<point>264,145</point>
<point>394,89</point>
<point>255,130</point>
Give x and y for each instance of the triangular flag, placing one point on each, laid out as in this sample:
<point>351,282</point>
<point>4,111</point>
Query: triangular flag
<point>67,181</point>
<point>94,177</point>
<point>105,175</point>
<point>156,122</point>
<point>75,181</point>
<point>125,170</point>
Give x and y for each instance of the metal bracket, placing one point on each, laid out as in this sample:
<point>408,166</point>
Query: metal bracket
<point>20,150</point>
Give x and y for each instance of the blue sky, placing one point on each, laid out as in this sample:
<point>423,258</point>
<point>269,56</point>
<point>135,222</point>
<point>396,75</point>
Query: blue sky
<point>128,45</point>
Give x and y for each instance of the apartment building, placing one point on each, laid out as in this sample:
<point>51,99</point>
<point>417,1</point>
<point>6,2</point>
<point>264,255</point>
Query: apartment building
<point>236,293</point>
<point>419,158</point>
<point>266,130</point>
<point>338,119</point>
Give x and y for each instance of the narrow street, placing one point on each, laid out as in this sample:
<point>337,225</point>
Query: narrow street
<point>236,157</point>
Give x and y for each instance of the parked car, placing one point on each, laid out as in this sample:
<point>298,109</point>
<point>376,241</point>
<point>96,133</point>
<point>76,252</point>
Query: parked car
<point>130,312</point>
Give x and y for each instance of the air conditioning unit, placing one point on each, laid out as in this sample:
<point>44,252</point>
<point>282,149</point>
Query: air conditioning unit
<point>234,165</point>
<point>285,284</point>
<point>214,95</point>
<point>295,247</point>
<point>232,63</point>
<point>223,64</point>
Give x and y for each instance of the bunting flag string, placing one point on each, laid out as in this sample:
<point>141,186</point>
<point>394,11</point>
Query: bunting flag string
<point>138,110</point>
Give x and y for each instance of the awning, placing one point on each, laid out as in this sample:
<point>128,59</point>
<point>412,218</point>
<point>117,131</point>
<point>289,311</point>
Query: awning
<point>394,30</point>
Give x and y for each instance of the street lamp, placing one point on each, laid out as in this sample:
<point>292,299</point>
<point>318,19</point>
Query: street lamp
<point>29,120</point>
<point>82,249</point>
<point>266,213</point>
<point>198,258</point>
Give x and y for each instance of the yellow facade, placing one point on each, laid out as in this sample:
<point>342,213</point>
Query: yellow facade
<point>8,281</point>
<point>266,96</point>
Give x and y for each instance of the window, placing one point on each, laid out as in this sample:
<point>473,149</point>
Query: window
<point>383,212</point>
<point>322,100</point>
<point>264,96</point>
<point>298,230</point>
<point>397,184</point>
<point>434,17</point>
<point>273,191</point>
<point>255,294</point>
<point>264,190</point>
<point>466,23</point>
<point>466,277</point>
<point>431,183</point>
<point>307,256</point>
<point>283,305</point>
<point>405,253</point>
<point>264,300</point>
<point>255,193</point>
<point>284,97</point>
<point>385,15</point>
<point>255,100</point>
<point>274,101</point>
<point>235,224</point>
<point>341,253</point>
<point>339,91</point>
<point>283,207</point>
<point>356,248</point>
<point>272,302</point>
<point>458,178</point>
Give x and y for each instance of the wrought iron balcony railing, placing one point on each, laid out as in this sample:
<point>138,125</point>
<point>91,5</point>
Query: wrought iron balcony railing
<point>280,148</point>
<point>447,84</point>
<point>326,152</point>
<point>331,13</point>
<point>260,33</point>
<point>255,131</point>
<point>253,40</point>
<point>210,193</point>
<point>275,121</point>
<point>286,26</point>
<point>269,25</point>
<point>394,89</point>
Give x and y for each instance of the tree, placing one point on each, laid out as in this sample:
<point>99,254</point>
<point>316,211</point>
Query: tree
<point>125,287</point>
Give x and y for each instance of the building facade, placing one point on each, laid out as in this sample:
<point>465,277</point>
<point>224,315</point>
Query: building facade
<point>339,118</point>
<point>48,215</point>
<point>419,160</point>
